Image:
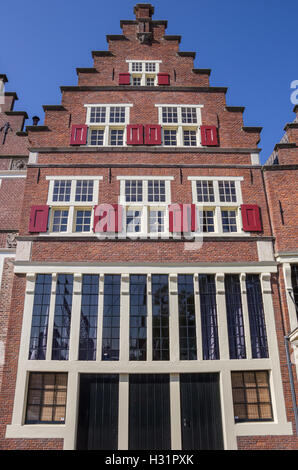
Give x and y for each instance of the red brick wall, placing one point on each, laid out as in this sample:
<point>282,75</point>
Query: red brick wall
<point>232,135</point>
<point>282,186</point>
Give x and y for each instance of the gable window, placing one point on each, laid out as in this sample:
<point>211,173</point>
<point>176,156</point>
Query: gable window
<point>61,191</point>
<point>107,124</point>
<point>60,220</point>
<point>218,201</point>
<point>143,73</point>
<point>180,124</point>
<point>227,191</point>
<point>84,190</point>
<point>71,200</point>
<point>97,137</point>
<point>229,221</point>
<point>190,138</point>
<point>205,191</point>
<point>116,137</point>
<point>170,137</point>
<point>83,220</point>
<point>145,201</point>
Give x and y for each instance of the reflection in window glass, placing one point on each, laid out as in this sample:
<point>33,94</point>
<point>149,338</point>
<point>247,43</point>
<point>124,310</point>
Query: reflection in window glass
<point>187,318</point>
<point>138,317</point>
<point>89,315</point>
<point>209,316</point>
<point>235,317</point>
<point>258,333</point>
<point>111,318</point>
<point>62,317</point>
<point>40,317</point>
<point>160,314</point>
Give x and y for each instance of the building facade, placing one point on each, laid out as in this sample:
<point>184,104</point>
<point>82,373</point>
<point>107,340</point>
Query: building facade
<point>13,161</point>
<point>151,294</point>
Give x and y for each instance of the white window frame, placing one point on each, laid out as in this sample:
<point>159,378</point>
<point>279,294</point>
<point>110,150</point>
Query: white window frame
<point>72,206</point>
<point>180,126</point>
<point>218,206</point>
<point>107,126</point>
<point>143,74</point>
<point>145,206</point>
<point>231,430</point>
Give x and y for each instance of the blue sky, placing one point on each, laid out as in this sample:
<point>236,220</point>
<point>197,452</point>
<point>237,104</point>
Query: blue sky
<point>250,46</point>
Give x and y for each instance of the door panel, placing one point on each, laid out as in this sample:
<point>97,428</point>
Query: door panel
<point>201,425</point>
<point>149,412</point>
<point>98,412</point>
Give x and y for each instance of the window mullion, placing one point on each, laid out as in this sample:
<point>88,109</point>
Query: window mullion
<point>73,191</point>
<point>180,141</point>
<point>70,221</point>
<point>218,220</point>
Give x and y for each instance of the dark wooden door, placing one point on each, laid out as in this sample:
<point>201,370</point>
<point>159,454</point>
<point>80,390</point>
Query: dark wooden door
<point>201,423</point>
<point>98,412</point>
<point>149,412</point>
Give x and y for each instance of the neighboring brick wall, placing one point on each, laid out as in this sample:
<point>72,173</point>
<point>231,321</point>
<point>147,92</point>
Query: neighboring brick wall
<point>11,199</point>
<point>5,296</point>
<point>283,206</point>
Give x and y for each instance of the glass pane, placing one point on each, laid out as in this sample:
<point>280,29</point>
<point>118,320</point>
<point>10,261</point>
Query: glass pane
<point>160,320</point>
<point>187,319</point>
<point>39,327</point>
<point>209,316</point>
<point>111,316</point>
<point>89,314</point>
<point>62,317</point>
<point>265,412</point>
<point>252,412</point>
<point>235,317</point>
<point>138,317</point>
<point>256,317</point>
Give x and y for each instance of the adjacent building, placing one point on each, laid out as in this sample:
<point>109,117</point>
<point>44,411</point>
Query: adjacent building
<point>13,160</point>
<point>155,280</point>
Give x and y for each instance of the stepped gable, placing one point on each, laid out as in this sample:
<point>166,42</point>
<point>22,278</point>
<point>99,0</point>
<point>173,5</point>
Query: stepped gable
<point>145,39</point>
<point>13,139</point>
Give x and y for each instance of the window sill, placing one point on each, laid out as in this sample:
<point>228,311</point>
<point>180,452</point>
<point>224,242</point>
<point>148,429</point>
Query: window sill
<point>264,428</point>
<point>211,237</point>
<point>36,431</point>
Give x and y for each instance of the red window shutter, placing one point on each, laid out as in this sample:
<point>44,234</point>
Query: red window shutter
<point>182,218</point>
<point>107,218</point>
<point>251,218</point>
<point>78,134</point>
<point>135,134</point>
<point>124,79</point>
<point>163,78</point>
<point>209,135</point>
<point>39,219</point>
<point>152,134</point>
